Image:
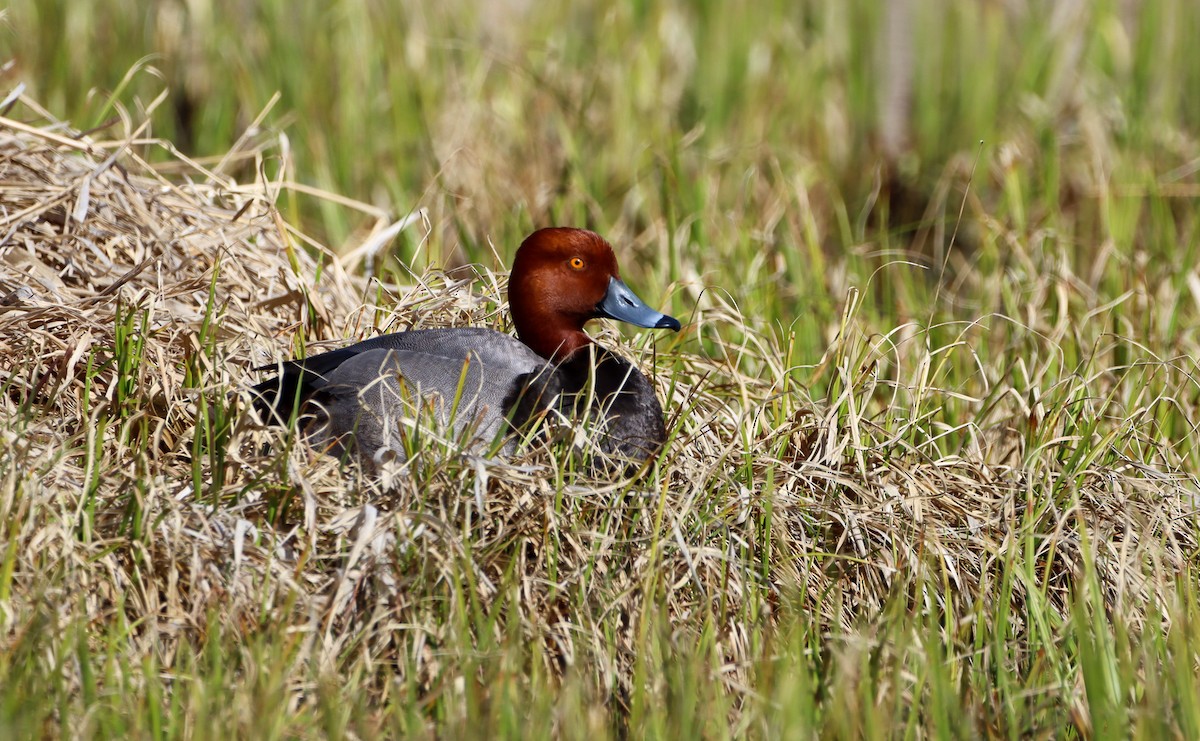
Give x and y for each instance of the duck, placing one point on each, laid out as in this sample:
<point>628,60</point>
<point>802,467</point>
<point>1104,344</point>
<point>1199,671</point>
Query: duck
<point>486,390</point>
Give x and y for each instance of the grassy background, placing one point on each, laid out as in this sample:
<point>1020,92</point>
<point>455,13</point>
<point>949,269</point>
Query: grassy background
<point>716,136</point>
<point>995,269</point>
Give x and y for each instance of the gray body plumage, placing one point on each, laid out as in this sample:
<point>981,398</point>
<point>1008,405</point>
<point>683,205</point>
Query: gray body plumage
<point>470,385</point>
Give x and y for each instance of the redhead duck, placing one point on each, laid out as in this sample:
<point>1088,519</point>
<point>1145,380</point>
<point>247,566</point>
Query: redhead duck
<point>480,385</point>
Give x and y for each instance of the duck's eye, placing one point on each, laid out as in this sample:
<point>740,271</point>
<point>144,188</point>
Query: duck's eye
<point>577,263</point>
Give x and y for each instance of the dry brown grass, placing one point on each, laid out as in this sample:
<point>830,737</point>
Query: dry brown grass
<point>766,503</point>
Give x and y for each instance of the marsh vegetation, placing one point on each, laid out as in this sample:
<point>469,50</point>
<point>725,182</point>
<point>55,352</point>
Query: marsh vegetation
<point>932,462</point>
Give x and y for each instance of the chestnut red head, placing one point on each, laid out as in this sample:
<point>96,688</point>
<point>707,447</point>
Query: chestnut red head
<point>562,278</point>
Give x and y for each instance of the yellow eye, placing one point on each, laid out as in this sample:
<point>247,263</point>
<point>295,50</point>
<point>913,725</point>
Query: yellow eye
<point>576,263</point>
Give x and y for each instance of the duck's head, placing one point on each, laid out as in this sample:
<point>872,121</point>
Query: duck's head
<point>561,279</point>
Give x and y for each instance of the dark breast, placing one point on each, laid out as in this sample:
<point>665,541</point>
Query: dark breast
<point>607,395</point>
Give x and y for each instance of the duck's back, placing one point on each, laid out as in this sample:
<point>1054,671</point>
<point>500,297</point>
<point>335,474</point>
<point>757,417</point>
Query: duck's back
<point>377,390</point>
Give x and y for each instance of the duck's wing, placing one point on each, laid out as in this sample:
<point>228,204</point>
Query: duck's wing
<point>469,378</point>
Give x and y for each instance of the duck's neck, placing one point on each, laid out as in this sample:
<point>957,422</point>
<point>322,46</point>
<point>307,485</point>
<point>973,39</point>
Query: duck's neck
<point>556,344</point>
<point>546,329</point>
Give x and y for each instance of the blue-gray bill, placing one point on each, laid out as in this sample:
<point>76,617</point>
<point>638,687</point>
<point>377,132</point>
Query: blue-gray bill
<point>622,304</point>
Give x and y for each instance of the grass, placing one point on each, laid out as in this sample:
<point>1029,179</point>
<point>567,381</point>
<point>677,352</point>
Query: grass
<point>933,461</point>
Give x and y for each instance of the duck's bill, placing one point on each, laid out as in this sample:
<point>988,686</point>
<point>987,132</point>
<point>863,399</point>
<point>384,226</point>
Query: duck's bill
<point>622,304</point>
